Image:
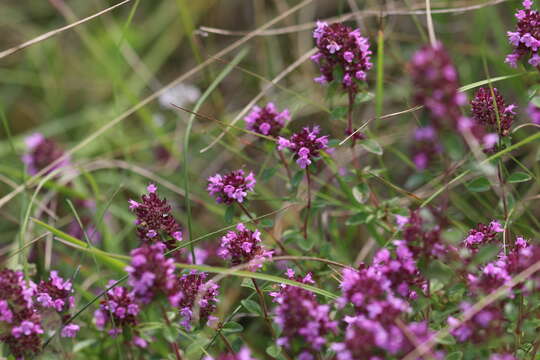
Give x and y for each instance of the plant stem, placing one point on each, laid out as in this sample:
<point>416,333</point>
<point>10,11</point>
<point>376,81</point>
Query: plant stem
<point>226,342</point>
<point>308,207</point>
<point>173,344</point>
<point>264,308</point>
<point>284,161</point>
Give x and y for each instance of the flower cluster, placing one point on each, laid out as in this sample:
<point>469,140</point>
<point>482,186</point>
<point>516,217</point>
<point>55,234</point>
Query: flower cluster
<point>119,308</point>
<point>192,292</point>
<point>267,120</point>
<point>55,293</point>
<point>380,294</point>
<point>243,246</point>
<point>422,241</point>
<point>24,308</point>
<point>302,318</point>
<point>496,119</point>
<point>342,51</point>
<point>232,187</point>
<point>150,272</point>
<point>364,339</point>
<point>41,153</point>
<point>534,113</point>
<point>482,234</point>
<point>305,144</point>
<point>526,38</point>
<point>155,223</point>
<point>437,86</point>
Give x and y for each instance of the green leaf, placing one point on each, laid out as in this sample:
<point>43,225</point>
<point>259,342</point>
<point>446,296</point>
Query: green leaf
<point>268,173</point>
<point>229,215</point>
<point>439,271</point>
<point>364,97</point>
<point>339,112</point>
<point>105,257</point>
<point>486,254</point>
<point>456,355</point>
<point>266,223</point>
<point>232,327</point>
<point>447,340</point>
<point>360,192</point>
<point>536,101</point>
<point>518,177</point>
<point>297,178</point>
<point>306,244</point>
<point>252,306</point>
<point>372,146</point>
<point>273,350</point>
<point>360,218</point>
<point>478,185</point>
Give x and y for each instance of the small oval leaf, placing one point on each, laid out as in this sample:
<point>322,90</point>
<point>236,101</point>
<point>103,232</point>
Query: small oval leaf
<point>518,177</point>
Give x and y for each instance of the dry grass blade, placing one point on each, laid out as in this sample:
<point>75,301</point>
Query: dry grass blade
<point>55,32</point>
<point>349,16</point>
<point>278,78</point>
<point>31,181</point>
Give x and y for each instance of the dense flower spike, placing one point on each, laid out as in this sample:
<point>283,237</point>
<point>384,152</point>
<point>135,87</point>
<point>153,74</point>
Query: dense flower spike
<point>421,240</point>
<point>55,293</point>
<point>483,234</point>
<point>368,339</point>
<point>24,307</point>
<point>118,309</point>
<point>302,318</point>
<point>243,246</point>
<point>150,272</point>
<point>497,119</point>
<point>305,144</point>
<point>243,354</point>
<point>526,38</point>
<point>437,85</point>
<point>341,50</point>
<point>20,323</point>
<point>155,222</point>
<point>42,152</point>
<point>483,325</point>
<point>232,187</point>
<point>534,113</point>
<point>191,292</point>
<point>267,120</point>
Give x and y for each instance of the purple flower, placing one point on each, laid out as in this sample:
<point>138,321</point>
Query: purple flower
<point>526,37</point>
<point>192,292</point>
<point>231,187</point>
<point>482,234</point>
<point>534,113</point>
<point>118,308</point>
<point>70,330</point>
<point>306,145</point>
<point>244,246</point>
<point>20,320</point>
<point>301,316</point>
<point>155,222</point>
<point>437,87</point>
<point>267,120</point>
<point>42,152</point>
<point>55,293</point>
<point>150,273</point>
<point>343,48</point>
<point>498,119</point>
<point>485,324</point>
